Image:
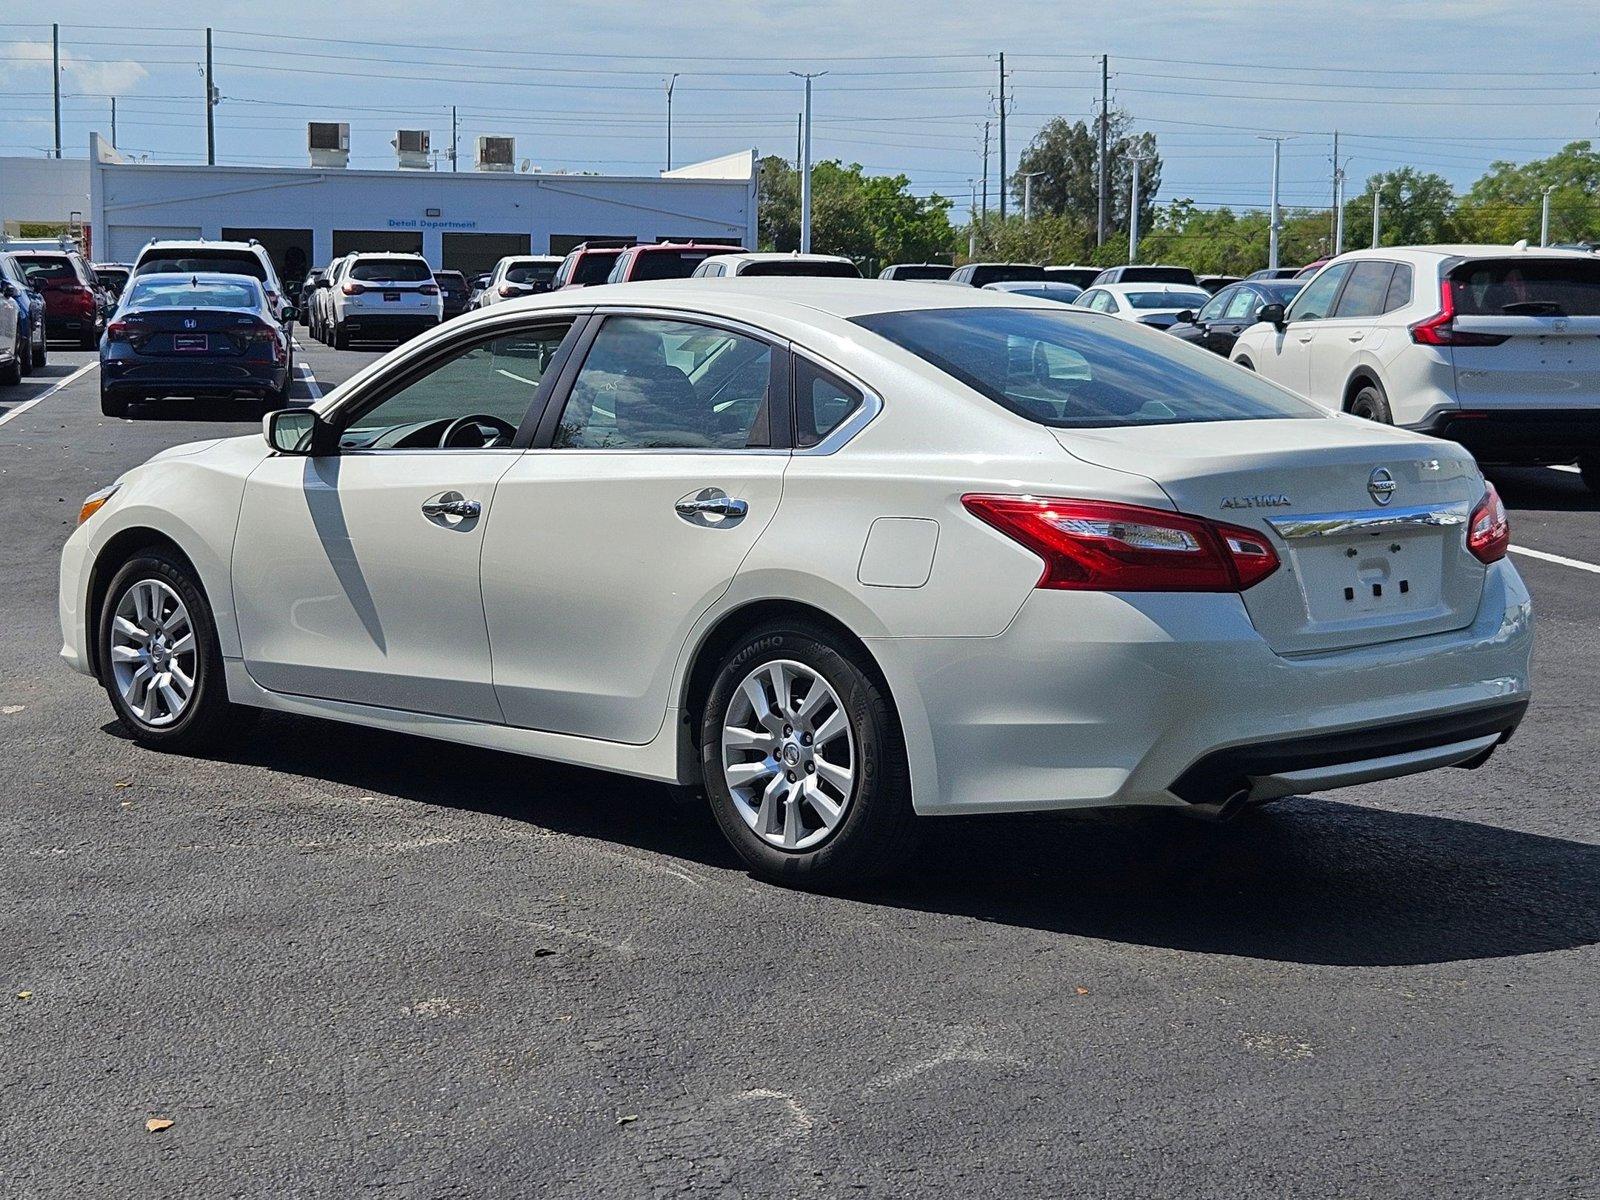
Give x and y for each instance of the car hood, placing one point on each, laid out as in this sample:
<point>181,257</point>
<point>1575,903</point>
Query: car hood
<point>188,448</point>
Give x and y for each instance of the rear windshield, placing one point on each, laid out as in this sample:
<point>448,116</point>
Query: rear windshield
<point>531,273</point>
<point>55,269</point>
<point>450,279</point>
<point>1005,272</point>
<point>827,270</point>
<point>593,266</point>
<point>1072,372</point>
<point>667,264</point>
<point>188,262</point>
<point>911,271</point>
<point>1531,287</point>
<point>1155,275</point>
<point>191,295</point>
<point>114,275</point>
<point>1167,298</point>
<point>392,270</point>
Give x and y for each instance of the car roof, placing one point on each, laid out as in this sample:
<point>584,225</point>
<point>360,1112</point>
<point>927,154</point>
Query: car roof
<point>1462,250</point>
<point>540,259</point>
<point>199,244</point>
<point>198,276</point>
<point>1018,285</point>
<point>385,254</point>
<point>1146,285</point>
<point>752,256</point>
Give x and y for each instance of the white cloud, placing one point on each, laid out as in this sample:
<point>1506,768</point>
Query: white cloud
<point>106,77</point>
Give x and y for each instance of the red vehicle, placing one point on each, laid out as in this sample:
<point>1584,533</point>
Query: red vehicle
<point>585,265</point>
<point>665,260</point>
<point>73,303</point>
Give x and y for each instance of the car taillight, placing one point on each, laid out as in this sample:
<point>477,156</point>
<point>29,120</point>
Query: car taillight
<point>117,331</point>
<point>506,289</point>
<point>353,289</point>
<point>1090,545</point>
<point>266,334</point>
<point>1488,530</point>
<point>1440,330</point>
<point>429,289</point>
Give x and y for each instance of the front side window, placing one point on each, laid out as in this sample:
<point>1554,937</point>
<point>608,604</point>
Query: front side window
<point>1363,296</point>
<point>1216,306</point>
<point>495,379</point>
<point>1059,370</point>
<point>651,384</point>
<point>1316,301</point>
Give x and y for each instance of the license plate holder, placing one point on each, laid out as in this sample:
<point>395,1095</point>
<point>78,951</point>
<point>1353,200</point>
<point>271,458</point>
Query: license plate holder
<point>191,342</point>
<point>391,295</point>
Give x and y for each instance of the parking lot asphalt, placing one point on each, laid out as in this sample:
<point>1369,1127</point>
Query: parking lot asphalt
<point>345,962</point>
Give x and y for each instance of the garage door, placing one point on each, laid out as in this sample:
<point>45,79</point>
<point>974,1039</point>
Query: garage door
<point>476,253</point>
<point>381,241</point>
<point>290,249</point>
<point>125,241</point>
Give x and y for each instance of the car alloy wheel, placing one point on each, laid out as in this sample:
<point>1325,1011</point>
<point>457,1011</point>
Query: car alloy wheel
<point>152,652</point>
<point>789,755</point>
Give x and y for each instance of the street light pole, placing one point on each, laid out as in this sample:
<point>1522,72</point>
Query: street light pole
<point>671,80</point>
<point>805,162</point>
<point>1027,195</point>
<point>1544,218</point>
<point>1275,223</point>
<point>1133,211</point>
<point>1377,203</point>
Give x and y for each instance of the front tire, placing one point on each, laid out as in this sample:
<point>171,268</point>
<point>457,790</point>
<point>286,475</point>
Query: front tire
<point>25,357</point>
<point>11,373</point>
<point>803,760</point>
<point>1371,404</point>
<point>161,664</point>
<point>1589,469</point>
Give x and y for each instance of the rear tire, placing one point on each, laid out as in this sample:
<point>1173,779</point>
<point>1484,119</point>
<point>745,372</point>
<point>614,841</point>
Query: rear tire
<point>1371,404</point>
<point>1589,468</point>
<point>144,661</point>
<point>811,787</point>
<point>112,404</point>
<point>25,357</point>
<point>41,355</point>
<point>341,336</point>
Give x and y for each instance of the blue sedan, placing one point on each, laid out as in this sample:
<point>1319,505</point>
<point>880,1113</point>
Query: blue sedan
<point>204,335</point>
<point>30,317</point>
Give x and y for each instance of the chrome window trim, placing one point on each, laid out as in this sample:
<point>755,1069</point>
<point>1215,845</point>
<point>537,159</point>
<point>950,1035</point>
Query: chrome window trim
<point>1343,524</point>
<point>842,433</point>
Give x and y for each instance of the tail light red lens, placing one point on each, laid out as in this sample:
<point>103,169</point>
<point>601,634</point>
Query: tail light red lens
<point>354,289</point>
<point>267,335</point>
<point>1488,530</point>
<point>117,331</point>
<point>1090,545</point>
<point>429,289</point>
<point>505,289</point>
<point>1440,330</point>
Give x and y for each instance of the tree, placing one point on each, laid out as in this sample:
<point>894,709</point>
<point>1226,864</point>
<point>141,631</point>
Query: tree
<point>868,218</point>
<point>1064,153</point>
<point>1047,238</point>
<point>1415,208</point>
<point>1504,205</point>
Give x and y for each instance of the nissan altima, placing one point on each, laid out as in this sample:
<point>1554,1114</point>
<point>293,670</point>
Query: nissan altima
<point>845,555</point>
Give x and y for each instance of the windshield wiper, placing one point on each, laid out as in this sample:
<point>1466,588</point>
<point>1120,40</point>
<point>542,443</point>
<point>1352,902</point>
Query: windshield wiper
<point>1534,308</point>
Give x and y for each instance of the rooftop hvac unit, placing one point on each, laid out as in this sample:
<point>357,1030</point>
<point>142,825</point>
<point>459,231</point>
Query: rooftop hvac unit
<point>496,153</point>
<point>329,143</point>
<point>411,145</point>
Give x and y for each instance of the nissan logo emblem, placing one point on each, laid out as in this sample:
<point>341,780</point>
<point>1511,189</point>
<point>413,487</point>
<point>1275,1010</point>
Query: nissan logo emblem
<point>1380,485</point>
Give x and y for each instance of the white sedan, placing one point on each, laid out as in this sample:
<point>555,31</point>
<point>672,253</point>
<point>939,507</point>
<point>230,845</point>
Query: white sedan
<point>1155,304</point>
<point>845,554</point>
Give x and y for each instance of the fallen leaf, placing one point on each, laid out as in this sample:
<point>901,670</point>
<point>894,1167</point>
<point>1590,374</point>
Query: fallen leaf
<point>24,995</point>
<point>157,1124</point>
<point>123,783</point>
<point>9,709</point>
<point>628,1120</point>
<point>127,804</point>
<point>1082,991</point>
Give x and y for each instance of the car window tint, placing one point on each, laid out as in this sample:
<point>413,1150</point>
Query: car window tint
<point>1316,300</point>
<point>668,385</point>
<point>204,295</point>
<point>498,377</point>
<point>821,402</point>
<point>1214,307</point>
<point>1399,294</point>
<point>1528,287</point>
<point>594,266</point>
<point>1363,296</point>
<point>1059,370</point>
<point>190,262</point>
<point>391,270</point>
<point>1242,305</point>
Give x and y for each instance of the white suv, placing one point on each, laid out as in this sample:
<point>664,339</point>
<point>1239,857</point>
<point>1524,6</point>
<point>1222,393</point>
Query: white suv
<point>192,256</point>
<point>830,266</point>
<point>383,296</point>
<point>1495,347</point>
<point>519,275</point>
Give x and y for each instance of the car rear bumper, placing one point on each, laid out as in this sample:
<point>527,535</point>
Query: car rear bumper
<point>120,376</point>
<point>1097,699</point>
<point>381,324</point>
<point>1519,435</point>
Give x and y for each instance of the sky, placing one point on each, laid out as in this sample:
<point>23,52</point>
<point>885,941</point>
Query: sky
<point>1447,86</point>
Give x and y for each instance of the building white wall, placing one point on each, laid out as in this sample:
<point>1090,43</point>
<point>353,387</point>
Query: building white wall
<point>134,202</point>
<point>42,189</point>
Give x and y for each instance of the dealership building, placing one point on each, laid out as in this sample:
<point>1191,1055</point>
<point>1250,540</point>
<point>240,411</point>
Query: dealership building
<point>304,217</point>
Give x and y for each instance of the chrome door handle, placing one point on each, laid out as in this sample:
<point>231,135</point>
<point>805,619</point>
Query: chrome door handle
<point>451,504</point>
<point>712,506</point>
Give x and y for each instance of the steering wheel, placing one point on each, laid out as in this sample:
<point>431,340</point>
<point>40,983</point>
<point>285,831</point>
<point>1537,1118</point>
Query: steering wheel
<point>467,432</point>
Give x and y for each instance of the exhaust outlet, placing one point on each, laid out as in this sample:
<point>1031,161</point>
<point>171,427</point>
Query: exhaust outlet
<point>1222,810</point>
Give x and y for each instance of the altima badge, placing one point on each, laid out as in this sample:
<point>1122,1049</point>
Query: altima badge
<point>1266,500</point>
<point>1380,485</point>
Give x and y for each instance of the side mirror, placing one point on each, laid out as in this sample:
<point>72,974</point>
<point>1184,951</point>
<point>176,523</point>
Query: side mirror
<point>322,283</point>
<point>1186,317</point>
<point>289,314</point>
<point>297,431</point>
<point>1272,314</point>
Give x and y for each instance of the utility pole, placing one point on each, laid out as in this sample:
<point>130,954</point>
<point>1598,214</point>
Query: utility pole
<point>671,80</point>
<point>799,137</point>
<point>1377,201</point>
<point>1000,180</point>
<point>1544,218</point>
<point>211,107</point>
<point>972,221</point>
<point>805,163</point>
<point>1338,199</point>
<point>453,137</point>
<point>985,209</point>
<point>1275,223</point>
<point>1027,195</point>
<point>1133,212</point>
<point>55,79</point>
<point>113,122</point>
<point>1100,186</point>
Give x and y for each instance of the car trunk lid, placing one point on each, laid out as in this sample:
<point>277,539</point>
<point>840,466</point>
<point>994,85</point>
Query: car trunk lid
<point>180,332</point>
<point>1370,523</point>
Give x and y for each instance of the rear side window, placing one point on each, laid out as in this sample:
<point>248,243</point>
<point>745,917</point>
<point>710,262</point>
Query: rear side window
<point>821,402</point>
<point>1528,287</point>
<point>1316,301</point>
<point>1399,294</point>
<point>392,270</point>
<point>1060,370</point>
<point>1364,295</point>
<point>192,261</point>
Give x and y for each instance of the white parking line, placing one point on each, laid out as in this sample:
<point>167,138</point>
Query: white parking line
<point>310,381</point>
<point>1575,563</point>
<point>1568,467</point>
<point>48,392</point>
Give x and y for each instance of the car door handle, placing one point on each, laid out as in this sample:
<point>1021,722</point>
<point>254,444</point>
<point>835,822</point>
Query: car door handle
<point>1305,338</point>
<point>709,503</point>
<point>1354,337</point>
<point>451,504</point>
